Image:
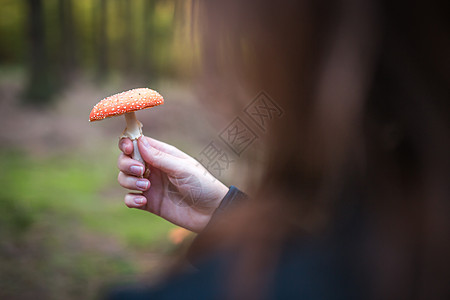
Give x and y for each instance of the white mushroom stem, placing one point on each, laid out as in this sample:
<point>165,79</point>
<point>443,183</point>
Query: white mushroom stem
<point>134,127</point>
<point>134,131</point>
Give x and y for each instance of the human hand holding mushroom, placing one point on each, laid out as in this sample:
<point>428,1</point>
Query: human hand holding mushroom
<point>173,185</point>
<point>179,189</point>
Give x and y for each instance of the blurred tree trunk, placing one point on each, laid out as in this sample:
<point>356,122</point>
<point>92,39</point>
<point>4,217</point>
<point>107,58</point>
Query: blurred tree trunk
<point>102,39</point>
<point>39,89</point>
<point>146,59</point>
<point>128,47</point>
<point>67,66</point>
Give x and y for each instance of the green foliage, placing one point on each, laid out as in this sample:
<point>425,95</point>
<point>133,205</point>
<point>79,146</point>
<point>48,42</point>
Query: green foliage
<point>64,229</point>
<point>12,32</point>
<point>75,189</point>
<point>59,39</point>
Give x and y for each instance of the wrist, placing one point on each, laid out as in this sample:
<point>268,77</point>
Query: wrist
<point>222,192</point>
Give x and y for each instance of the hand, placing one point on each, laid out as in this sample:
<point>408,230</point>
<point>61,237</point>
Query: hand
<point>179,188</point>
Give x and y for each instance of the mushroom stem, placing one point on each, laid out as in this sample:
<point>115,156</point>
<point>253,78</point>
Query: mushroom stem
<point>134,127</point>
<point>134,131</point>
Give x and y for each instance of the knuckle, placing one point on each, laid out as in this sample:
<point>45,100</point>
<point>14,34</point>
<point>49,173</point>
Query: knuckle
<point>127,201</point>
<point>173,148</point>
<point>124,180</point>
<point>119,161</point>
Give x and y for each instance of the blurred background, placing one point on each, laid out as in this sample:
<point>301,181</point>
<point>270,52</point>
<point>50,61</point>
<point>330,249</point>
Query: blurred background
<point>64,230</point>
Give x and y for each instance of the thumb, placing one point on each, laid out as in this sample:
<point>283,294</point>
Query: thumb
<point>157,158</point>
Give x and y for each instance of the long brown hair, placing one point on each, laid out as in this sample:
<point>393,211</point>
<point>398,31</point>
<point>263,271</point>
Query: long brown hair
<point>365,90</point>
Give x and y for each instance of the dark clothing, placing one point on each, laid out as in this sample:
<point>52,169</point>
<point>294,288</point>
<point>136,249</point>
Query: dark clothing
<point>309,268</point>
<point>232,199</point>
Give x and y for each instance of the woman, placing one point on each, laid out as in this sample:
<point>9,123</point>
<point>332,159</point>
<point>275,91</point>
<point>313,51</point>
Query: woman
<point>354,197</point>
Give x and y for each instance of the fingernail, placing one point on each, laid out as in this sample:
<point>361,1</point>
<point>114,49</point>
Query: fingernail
<point>121,141</point>
<point>137,170</point>
<point>144,142</point>
<point>139,200</point>
<point>142,184</point>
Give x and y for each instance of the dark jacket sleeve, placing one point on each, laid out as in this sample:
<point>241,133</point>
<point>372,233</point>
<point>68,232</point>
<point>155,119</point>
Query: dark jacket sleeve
<point>231,200</point>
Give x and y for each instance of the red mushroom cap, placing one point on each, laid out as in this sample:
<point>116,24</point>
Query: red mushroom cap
<point>125,102</point>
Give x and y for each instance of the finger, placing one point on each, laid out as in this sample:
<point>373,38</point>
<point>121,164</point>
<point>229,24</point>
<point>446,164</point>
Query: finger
<point>126,146</point>
<point>164,147</point>
<point>159,159</point>
<point>130,166</point>
<point>133,200</point>
<point>133,183</point>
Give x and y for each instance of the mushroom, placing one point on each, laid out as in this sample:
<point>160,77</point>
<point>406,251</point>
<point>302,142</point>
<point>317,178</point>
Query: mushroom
<point>127,103</point>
